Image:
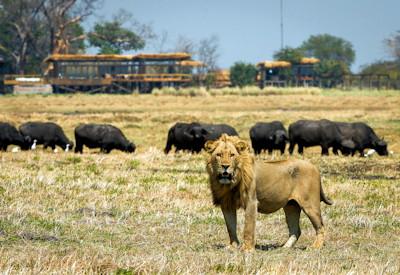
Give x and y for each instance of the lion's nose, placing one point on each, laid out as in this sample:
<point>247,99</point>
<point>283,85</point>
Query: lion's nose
<point>225,167</point>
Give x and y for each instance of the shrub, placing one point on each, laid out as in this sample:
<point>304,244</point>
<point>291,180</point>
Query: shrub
<point>243,74</point>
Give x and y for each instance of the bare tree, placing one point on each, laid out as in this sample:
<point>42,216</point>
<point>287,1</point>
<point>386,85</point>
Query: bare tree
<point>20,16</point>
<point>393,45</point>
<point>61,16</point>
<point>208,52</point>
<point>159,42</point>
<point>185,45</point>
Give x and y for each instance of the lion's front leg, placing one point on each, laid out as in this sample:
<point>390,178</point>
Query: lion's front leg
<point>250,224</point>
<point>231,223</point>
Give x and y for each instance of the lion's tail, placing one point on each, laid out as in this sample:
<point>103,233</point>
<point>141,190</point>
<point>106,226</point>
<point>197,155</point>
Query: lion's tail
<point>324,198</point>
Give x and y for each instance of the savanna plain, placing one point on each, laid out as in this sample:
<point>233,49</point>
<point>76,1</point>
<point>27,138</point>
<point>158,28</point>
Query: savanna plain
<point>147,212</point>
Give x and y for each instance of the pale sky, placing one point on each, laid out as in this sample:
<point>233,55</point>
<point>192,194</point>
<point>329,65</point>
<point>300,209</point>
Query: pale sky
<point>249,30</point>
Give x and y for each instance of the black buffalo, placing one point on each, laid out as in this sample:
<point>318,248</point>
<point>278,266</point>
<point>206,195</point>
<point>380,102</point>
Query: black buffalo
<point>47,133</point>
<point>192,136</point>
<point>10,135</point>
<point>268,136</point>
<point>363,137</point>
<point>324,133</point>
<point>103,136</point>
<point>185,136</point>
<point>215,131</point>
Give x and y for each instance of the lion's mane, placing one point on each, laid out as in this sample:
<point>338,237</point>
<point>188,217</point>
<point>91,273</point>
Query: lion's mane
<point>235,195</point>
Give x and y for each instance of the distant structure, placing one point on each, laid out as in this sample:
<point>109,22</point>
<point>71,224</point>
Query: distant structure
<point>222,78</point>
<point>70,73</point>
<point>283,73</point>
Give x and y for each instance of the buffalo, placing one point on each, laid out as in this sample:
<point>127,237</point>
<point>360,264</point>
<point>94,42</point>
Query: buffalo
<point>268,136</point>
<point>104,136</point>
<point>192,136</point>
<point>10,135</point>
<point>47,133</point>
<point>362,137</point>
<point>324,133</point>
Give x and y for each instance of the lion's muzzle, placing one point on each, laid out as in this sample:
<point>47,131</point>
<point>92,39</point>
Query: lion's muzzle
<point>225,174</point>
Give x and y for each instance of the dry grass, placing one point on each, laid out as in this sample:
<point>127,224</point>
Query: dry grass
<point>147,212</point>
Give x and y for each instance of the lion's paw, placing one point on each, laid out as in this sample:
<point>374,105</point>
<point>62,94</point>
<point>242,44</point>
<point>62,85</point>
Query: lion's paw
<point>247,248</point>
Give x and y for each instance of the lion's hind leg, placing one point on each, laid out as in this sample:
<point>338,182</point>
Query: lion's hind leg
<point>292,214</point>
<point>314,214</point>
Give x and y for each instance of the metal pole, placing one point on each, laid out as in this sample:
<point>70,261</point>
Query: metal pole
<point>281,24</point>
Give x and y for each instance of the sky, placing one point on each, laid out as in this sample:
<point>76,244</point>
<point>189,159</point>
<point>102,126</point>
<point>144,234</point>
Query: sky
<point>249,30</point>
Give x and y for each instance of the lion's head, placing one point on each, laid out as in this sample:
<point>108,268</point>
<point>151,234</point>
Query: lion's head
<point>225,158</point>
<point>230,165</point>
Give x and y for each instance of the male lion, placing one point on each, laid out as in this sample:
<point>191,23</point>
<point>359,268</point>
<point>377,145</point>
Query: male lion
<point>236,181</point>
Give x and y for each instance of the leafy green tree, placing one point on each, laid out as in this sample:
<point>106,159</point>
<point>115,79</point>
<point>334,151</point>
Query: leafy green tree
<point>113,38</point>
<point>292,55</point>
<point>390,68</point>
<point>329,47</point>
<point>243,74</point>
<point>331,69</point>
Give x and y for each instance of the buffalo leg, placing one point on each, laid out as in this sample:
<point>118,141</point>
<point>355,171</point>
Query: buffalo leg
<point>79,148</point>
<point>300,149</point>
<point>325,151</point>
<point>291,147</point>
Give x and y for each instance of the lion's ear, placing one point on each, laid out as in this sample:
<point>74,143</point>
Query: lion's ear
<point>242,146</point>
<point>210,146</point>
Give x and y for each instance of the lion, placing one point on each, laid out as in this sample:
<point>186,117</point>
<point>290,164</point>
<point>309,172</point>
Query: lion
<point>238,181</point>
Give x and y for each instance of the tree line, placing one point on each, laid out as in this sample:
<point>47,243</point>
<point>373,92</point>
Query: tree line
<point>336,56</point>
<point>32,29</point>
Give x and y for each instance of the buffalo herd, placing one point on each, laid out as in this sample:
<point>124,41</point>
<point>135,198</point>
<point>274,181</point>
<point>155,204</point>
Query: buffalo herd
<point>348,138</point>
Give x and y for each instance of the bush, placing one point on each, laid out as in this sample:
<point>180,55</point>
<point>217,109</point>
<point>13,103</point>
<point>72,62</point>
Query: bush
<point>243,74</point>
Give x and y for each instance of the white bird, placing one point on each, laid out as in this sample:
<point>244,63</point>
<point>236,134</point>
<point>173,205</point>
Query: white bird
<point>369,153</point>
<point>15,149</point>
<point>55,150</point>
<point>67,147</point>
<point>33,146</point>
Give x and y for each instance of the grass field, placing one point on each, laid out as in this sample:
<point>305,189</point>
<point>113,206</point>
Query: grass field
<point>152,213</point>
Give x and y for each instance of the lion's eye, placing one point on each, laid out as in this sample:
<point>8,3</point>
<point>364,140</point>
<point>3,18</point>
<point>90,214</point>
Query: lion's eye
<point>219,155</point>
<point>232,155</point>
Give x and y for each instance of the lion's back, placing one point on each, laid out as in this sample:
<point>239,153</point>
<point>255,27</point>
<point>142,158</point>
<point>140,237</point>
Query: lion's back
<point>278,182</point>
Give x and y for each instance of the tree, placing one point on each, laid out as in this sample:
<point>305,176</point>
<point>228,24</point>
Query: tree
<point>243,74</point>
<point>185,45</point>
<point>208,53</point>
<point>329,47</point>
<point>390,68</point>
<point>62,17</point>
<point>113,38</point>
<point>19,20</point>
<point>393,45</point>
<point>292,55</point>
<point>33,29</point>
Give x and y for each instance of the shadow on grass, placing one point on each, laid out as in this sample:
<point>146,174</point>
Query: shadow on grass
<point>262,247</point>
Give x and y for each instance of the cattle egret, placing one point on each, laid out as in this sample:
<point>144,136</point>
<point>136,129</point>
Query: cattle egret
<point>55,150</point>
<point>33,146</point>
<point>369,153</point>
<point>15,149</point>
<point>67,148</point>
